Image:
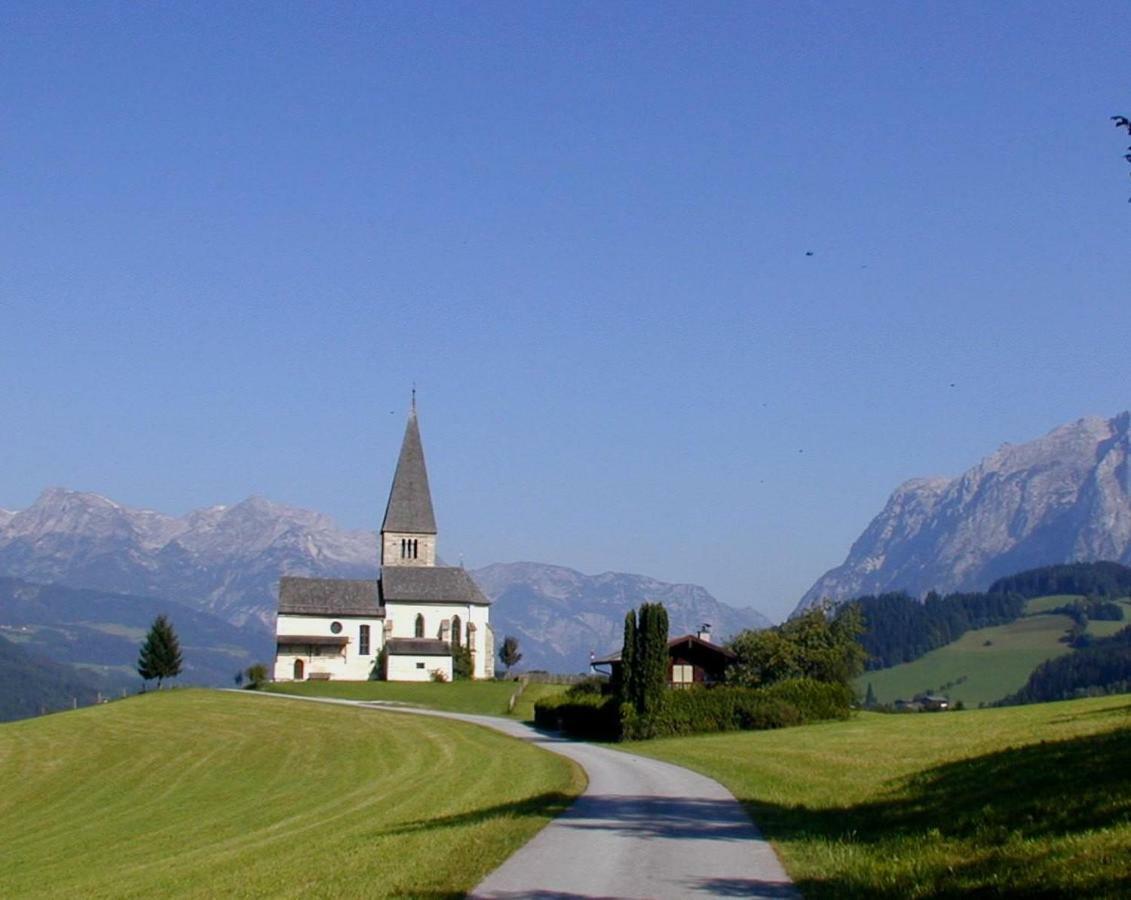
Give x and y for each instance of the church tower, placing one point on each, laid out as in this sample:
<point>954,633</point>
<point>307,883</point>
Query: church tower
<point>408,534</point>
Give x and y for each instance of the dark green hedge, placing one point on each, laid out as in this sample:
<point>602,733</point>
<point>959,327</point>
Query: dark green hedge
<point>697,710</point>
<point>580,713</point>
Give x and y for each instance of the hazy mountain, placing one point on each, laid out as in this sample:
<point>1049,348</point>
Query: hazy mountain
<point>227,560</point>
<point>560,615</point>
<point>1061,498</point>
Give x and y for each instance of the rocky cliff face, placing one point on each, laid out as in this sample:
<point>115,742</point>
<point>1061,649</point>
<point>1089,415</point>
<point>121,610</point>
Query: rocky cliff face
<point>1061,498</point>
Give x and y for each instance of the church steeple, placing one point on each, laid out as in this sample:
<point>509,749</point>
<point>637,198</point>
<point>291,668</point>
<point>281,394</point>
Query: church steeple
<point>408,534</point>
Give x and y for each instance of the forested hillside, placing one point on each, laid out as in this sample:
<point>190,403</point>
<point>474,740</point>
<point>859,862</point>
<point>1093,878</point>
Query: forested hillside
<point>33,685</point>
<point>899,629</point>
<point>1102,667</point>
<point>1104,579</point>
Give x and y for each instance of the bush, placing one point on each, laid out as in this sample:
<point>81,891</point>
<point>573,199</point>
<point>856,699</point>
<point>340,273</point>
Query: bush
<point>814,700</point>
<point>257,676</point>
<point>704,710</point>
<point>583,714</point>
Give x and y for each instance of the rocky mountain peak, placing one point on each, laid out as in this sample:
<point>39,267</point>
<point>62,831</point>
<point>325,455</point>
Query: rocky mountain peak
<point>1059,498</point>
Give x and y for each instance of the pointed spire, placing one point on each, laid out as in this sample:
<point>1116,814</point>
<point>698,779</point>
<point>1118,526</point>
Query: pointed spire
<point>410,501</point>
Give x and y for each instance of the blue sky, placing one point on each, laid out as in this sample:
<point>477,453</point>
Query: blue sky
<point>236,234</point>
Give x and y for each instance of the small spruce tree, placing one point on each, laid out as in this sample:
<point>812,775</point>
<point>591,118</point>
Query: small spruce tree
<point>160,653</point>
<point>870,697</point>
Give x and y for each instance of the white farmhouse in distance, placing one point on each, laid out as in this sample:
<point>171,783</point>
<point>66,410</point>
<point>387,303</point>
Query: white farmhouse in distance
<point>417,611</point>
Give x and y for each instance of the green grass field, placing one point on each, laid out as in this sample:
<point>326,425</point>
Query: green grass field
<point>1031,801</point>
<point>980,667</point>
<point>489,698</point>
<point>201,793</point>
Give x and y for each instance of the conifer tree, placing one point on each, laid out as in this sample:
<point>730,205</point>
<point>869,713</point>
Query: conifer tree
<point>652,657</point>
<point>627,686</point>
<point>160,654</point>
<point>870,697</point>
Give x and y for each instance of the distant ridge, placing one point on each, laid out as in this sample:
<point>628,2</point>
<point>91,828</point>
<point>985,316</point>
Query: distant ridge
<point>227,560</point>
<point>1062,498</point>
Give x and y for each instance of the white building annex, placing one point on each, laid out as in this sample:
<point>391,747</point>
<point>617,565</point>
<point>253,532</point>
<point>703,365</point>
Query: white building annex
<point>416,611</point>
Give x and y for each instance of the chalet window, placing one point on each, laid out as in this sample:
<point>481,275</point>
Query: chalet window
<point>363,640</point>
<point>419,625</point>
<point>455,631</point>
<point>682,674</point>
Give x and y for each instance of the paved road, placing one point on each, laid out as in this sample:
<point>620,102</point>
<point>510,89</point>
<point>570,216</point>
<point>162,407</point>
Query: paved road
<point>643,828</point>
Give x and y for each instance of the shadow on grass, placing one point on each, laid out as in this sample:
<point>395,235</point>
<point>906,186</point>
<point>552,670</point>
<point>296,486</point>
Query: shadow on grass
<point>628,815</point>
<point>986,808</point>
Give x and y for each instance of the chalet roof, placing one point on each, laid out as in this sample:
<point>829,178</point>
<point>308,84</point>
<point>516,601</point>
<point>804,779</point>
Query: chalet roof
<point>429,584</point>
<point>418,647</point>
<point>410,501</point>
<point>329,597</point>
<point>327,640</point>
<point>687,640</point>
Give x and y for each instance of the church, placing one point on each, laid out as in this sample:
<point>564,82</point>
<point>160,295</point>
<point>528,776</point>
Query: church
<point>413,619</point>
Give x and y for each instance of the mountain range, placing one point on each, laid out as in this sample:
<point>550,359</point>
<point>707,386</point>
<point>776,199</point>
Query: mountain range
<point>1064,497</point>
<point>225,562</point>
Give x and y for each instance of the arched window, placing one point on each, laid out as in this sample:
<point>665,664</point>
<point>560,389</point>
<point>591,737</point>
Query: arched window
<point>420,625</point>
<point>457,638</point>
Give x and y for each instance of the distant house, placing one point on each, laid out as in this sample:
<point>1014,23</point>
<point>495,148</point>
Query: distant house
<point>692,659</point>
<point>923,703</point>
<point>418,613</point>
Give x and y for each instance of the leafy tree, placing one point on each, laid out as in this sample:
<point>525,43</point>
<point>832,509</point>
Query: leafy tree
<point>815,644</point>
<point>461,663</point>
<point>379,671</point>
<point>256,676</point>
<point>160,653</point>
<point>508,654</point>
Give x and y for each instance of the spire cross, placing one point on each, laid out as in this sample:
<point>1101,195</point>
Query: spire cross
<point>414,398</point>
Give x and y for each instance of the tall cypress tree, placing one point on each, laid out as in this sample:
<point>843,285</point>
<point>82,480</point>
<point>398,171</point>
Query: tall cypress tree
<point>653,657</point>
<point>626,689</point>
<point>160,653</point>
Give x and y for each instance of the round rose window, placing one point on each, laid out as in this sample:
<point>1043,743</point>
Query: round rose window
<point>336,627</point>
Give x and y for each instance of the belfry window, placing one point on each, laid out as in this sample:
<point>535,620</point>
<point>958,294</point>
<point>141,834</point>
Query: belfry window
<point>419,625</point>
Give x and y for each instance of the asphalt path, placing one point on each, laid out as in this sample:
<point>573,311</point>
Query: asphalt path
<point>642,829</point>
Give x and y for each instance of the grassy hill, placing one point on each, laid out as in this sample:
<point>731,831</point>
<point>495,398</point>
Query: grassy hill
<point>987,664</point>
<point>488,698</point>
<point>1030,801</point>
<point>200,793</point>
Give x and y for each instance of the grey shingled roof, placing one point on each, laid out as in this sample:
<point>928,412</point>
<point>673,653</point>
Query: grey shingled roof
<point>410,500</point>
<point>429,584</point>
<point>329,597</point>
<point>418,647</point>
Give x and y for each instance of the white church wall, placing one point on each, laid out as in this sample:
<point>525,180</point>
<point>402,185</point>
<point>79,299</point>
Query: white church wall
<point>340,663</point>
<point>418,668</point>
<point>403,616</point>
